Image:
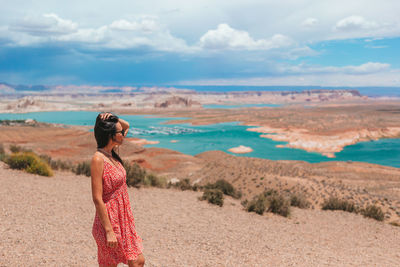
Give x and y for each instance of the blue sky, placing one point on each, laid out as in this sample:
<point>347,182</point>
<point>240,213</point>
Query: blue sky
<point>192,42</point>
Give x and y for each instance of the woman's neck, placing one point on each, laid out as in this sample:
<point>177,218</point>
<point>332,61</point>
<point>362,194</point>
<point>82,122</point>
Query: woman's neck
<point>106,150</point>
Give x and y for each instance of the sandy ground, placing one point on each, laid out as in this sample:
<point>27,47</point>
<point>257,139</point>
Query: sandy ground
<point>361,183</point>
<point>47,222</point>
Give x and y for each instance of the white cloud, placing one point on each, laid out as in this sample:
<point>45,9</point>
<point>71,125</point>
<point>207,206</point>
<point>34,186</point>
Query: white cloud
<point>191,19</point>
<point>88,35</point>
<point>46,25</point>
<point>144,31</point>
<point>225,37</point>
<point>309,22</point>
<point>366,68</point>
<point>389,78</point>
<point>359,27</point>
<point>147,25</point>
<point>301,51</point>
<point>353,23</point>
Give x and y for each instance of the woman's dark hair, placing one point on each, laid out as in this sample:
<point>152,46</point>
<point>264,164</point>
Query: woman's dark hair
<point>104,130</point>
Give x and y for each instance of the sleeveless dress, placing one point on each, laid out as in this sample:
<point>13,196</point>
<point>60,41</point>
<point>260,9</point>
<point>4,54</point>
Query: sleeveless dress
<point>116,199</point>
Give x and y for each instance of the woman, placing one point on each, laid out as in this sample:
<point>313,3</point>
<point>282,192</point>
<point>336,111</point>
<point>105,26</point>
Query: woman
<point>114,226</point>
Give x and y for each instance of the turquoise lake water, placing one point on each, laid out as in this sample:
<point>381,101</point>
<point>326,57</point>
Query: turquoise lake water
<point>193,140</point>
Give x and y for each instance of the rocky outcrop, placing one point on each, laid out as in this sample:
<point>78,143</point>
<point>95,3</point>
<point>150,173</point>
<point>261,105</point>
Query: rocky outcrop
<point>177,102</point>
<point>27,104</point>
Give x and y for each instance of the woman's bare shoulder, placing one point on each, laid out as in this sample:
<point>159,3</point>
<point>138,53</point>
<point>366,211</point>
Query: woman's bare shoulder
<point>97,158</point>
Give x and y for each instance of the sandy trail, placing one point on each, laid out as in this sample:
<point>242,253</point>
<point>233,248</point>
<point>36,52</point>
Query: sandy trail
<point>47,222</point>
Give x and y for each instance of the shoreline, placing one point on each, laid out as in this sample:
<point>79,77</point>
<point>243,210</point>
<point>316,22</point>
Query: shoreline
<point>295,138</point>
<point>326,145</point>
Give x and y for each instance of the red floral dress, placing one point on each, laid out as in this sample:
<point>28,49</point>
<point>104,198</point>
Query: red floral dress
<point>116,199</point>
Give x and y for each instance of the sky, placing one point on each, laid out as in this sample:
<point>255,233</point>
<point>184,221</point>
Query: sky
<point>193,42</point>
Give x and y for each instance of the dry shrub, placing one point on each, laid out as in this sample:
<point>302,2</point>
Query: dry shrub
<point>183,185</point>
<point>29,162</point>
<point>57,164</point>
<point>270,201</point>
<point>374,212</point>
<point>82,168</point>
<point>2,153</point>
<point>213,196</point>
<point>300,201</point>
<point>154,180</point>
<point>395,224</point>
<point>257,205</point>
<point>226,188</point>
<point>135,175</point>
<point>334,203</point>
<point>15,149</point>
<point>279,205</point>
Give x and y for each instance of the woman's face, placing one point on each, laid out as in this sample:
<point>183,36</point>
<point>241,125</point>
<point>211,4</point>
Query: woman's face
<point>119,136</point>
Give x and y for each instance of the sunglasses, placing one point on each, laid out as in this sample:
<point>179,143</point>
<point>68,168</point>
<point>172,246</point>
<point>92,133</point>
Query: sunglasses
<point>122,132</point>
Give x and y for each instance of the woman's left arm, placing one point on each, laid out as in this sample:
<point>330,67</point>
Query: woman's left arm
<point>124,124</point>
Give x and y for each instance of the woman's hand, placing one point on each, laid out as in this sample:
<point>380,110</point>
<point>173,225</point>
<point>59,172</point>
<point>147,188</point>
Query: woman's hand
<point>111,239</point>
<point>105,116</point>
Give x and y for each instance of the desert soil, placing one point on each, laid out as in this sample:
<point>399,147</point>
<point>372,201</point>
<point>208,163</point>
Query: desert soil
<point>47,222</point>
<point>361,183</point>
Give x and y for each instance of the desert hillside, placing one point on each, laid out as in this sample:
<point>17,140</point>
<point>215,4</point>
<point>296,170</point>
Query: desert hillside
<point>47,222</point>
<point>361,183</point>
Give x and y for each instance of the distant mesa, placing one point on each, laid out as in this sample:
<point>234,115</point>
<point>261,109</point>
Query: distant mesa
<point>177,102</point>
<point>241,149</point>
<point>27,104</point>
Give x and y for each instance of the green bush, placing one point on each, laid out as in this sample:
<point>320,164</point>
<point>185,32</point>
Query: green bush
<point>300,201</point>
<point>373,212</point>
<point>271,201</point>
<point>82,168</point>
<point>154,180</point>
<point>225,187</point>
<point>21,161</point>
<point>2,152</point>
<point>270,192</point>
<point>334,203</point>
<point>213,196</point>
<point>279,205</point>
<point>135,175</point>
<point>61,165</point>
<point>257,205</point>
<point>183,185</point>
<point>41,168</point>
<point>16,149</point>
<point>57,164</point>
<point>29,162</point>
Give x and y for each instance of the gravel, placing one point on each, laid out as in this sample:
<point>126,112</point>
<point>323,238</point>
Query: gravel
<point>47,222</point>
